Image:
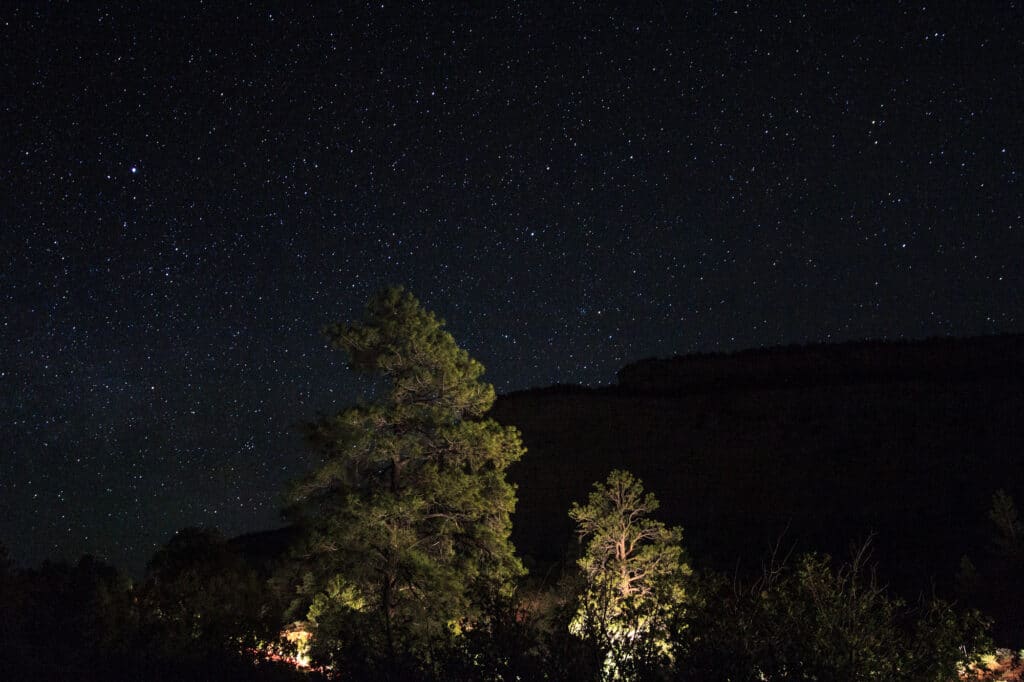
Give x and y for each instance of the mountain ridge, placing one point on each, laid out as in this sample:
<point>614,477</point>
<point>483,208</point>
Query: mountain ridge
<point>819,445</point>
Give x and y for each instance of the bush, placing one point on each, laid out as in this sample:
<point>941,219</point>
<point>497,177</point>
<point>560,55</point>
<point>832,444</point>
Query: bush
<point>810,620</point>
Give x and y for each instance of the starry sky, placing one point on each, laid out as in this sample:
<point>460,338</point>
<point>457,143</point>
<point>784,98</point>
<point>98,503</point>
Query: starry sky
<point>190,192</point>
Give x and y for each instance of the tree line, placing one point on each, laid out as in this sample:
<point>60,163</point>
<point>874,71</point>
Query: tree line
<point>403,569</point>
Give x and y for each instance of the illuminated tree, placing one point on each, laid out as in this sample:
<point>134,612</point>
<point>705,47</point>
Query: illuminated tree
<point>633,567</point>
<point>408,516</point>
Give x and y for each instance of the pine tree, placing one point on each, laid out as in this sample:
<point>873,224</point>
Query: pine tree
<point>634,571</point>
<point>408,517</point>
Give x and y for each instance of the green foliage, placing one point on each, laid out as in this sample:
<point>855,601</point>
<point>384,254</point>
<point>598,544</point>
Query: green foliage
<point>410,505</point>
<point>505,643</point>
<point>810,621</point>
<point>634,571</point>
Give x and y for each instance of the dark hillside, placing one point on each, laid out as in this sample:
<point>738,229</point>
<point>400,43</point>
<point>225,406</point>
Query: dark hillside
<point>906,440</point>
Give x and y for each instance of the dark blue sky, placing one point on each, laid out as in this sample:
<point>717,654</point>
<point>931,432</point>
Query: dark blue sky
<point>190,192</point>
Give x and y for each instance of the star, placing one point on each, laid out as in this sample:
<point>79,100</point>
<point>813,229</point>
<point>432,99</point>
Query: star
<point>547,197</point>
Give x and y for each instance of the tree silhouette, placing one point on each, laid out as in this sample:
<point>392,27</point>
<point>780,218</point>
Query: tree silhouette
<point>202,602</point>
<point>816,619</point>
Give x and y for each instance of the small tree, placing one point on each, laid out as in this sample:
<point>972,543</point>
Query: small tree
<point>408,516</point>
<point>1008,536</point>
<point>633,568</point>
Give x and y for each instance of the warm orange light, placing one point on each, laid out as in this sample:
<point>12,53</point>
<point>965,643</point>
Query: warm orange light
<point>300,637</point>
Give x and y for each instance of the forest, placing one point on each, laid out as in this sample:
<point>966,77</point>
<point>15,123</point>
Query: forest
<point>447,534</point>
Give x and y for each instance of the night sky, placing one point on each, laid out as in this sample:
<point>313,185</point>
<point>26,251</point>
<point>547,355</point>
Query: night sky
<point>191,192</point>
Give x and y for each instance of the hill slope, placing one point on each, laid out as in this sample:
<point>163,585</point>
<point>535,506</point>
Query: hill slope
<point>824,444</point>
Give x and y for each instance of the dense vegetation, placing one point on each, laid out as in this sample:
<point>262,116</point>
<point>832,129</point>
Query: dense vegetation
<point>401,567</point>
<point>407,520</point>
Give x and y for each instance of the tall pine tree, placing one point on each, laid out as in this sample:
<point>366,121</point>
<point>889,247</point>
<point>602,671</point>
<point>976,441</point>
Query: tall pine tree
<point>408,516</point>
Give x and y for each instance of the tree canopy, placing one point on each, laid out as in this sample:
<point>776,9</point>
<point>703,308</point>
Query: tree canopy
<point>408,515</point>
<point>633,569</point>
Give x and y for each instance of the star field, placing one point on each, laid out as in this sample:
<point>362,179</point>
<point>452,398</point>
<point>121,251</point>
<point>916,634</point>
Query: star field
<point>191,191</point>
